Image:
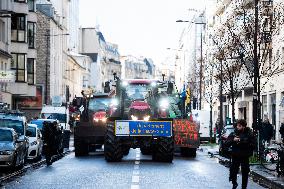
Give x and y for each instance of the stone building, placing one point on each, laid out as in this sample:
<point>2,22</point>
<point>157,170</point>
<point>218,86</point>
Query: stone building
<point>18,51</point>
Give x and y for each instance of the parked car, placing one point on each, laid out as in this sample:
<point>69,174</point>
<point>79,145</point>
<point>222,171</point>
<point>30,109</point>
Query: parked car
<point>12,149</point>
<point>36,143</point>
<point>227,130</point>
<point>16,120</point>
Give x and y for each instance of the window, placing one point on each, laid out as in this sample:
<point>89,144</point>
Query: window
<point>264,105</point>
<point>31,4</point>
<point>19,64</point>
<point>30,70</point>
<point>20,1</point>
<point>18,27</point>
<point>31,34</point>
<point>2,31</point>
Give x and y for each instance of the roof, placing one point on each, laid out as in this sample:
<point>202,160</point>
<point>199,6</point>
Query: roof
<point>6,54</point>
<point>93,56</point>
<point>7,129</point>
<point>52,109</point>
<point>32,125</point>
<point>12,117</point>
<point>42,120</point>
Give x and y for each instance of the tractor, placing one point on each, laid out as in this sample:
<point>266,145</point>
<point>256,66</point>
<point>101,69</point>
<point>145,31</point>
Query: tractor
<point>139,119</point>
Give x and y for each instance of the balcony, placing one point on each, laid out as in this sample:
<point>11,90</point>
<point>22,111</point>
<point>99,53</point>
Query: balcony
<point>6,6</point>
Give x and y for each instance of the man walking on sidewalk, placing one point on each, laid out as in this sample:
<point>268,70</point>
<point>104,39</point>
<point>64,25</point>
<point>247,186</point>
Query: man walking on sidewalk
<point>242,143</point>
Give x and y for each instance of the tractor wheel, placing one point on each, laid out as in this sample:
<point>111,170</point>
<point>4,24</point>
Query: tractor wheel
<point>146,150</point>
<point>126,151</point>
<point>81,149</point>
<point>164,151</point>
<point>112,148</point>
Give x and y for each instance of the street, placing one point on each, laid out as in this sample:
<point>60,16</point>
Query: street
<point>134,172</point>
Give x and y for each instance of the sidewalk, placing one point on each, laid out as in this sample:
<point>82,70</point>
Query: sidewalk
<point>258,174</point>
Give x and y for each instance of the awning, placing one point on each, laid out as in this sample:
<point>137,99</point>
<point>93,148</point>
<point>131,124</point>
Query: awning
<point>6,54</point>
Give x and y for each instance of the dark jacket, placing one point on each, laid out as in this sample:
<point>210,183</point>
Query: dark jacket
<point>281,130</point>
<point>245,147</point>
<point>266,131</point>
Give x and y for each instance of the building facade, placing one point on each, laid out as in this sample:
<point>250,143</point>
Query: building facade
<point>105,57</point>
<point>18,49</point>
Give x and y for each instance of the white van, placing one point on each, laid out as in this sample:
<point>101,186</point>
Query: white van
<point>203,117</point>
<point>60,113</point>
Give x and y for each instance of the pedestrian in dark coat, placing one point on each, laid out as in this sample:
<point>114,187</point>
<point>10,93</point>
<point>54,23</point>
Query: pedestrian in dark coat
<point>242,143</point>
<point>266,131</point>
<point>49,133</point>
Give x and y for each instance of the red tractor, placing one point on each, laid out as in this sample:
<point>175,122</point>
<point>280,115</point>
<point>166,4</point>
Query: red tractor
<point>139,120</point>
<point>90,130</point>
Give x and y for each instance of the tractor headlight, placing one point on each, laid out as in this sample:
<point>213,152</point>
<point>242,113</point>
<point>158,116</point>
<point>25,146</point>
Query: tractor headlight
<point>164,103</point>
<point>147,118</point>
<point>104,119</point>
<point>134,118</point>
<point>124,83</point>
<point>114,102</point>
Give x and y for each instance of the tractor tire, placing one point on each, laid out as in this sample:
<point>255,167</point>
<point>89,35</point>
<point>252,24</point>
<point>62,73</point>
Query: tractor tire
<point>113,149</point>
<point>146,150</point>
<point>81,149</point>
<point>164,151</point>
<point>126,151</point>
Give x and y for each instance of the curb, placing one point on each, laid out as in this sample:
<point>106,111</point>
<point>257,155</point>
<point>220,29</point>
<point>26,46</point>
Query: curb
<point>31,166</point>
<point>266,181</point>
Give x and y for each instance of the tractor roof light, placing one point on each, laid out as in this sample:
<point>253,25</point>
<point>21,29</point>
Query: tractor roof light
<point>124,83</point>
<point>164,103</point>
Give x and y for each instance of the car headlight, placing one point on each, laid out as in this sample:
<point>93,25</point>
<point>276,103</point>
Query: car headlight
<point>134,118</point>
<point>164,103</point>
<point>147,118</point>
<point>7,152</point>
<point>33,143</point>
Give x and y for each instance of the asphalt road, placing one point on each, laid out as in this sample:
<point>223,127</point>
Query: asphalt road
<point>134,172</point>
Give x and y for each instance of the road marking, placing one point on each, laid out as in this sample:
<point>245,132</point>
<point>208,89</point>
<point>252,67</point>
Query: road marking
<point>134,186</point>
<point>136,172</point>
<point>135,179</point>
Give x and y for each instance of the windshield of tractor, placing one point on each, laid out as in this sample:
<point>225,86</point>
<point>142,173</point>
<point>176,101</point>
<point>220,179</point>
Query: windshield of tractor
<point>97,104</point>
<point>137,91</point>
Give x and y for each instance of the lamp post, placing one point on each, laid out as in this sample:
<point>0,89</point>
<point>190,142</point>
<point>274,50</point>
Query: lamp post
<point>47,35</point>
<point>256,82</point>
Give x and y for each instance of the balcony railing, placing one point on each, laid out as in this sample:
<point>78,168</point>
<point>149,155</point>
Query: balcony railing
<point>6,6</point>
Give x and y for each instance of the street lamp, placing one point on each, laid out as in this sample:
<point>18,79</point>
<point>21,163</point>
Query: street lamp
<point>201,55</point>
<point>47,35</point>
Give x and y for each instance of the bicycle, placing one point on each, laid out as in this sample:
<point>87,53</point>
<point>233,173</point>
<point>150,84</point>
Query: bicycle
<point>272,158</point>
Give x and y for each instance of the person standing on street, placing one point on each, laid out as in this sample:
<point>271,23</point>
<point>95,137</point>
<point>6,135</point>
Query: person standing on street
<point>267,131</point>
<point>49,140</point>
<point>242,144</point>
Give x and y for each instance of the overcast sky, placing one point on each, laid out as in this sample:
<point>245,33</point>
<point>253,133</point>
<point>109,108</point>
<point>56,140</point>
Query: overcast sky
<point>139,27</point>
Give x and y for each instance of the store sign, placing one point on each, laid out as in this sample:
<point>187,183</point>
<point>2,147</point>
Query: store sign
<point>7,76</point>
